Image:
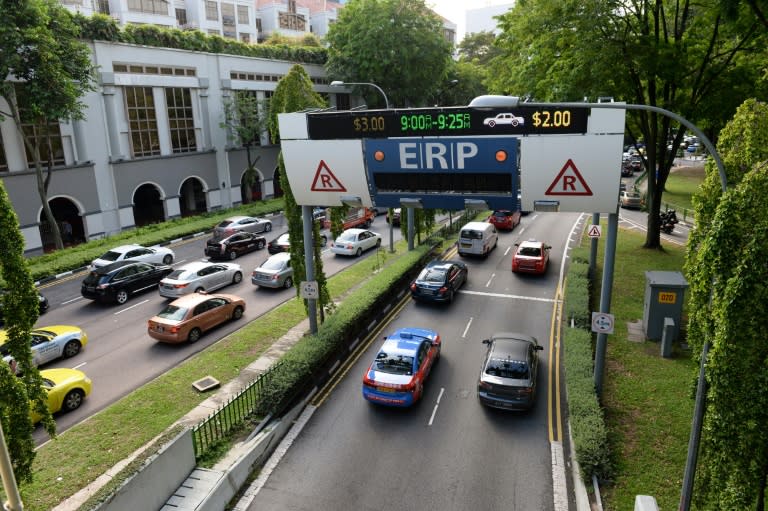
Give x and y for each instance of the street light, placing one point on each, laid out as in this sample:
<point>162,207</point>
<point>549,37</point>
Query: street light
<point>339,83</point>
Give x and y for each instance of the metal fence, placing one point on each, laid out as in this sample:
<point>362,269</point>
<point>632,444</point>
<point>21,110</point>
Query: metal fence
<point>233,413</point>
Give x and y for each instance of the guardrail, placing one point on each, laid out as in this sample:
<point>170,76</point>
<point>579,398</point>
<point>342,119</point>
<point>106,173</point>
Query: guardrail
<point>220,423</point>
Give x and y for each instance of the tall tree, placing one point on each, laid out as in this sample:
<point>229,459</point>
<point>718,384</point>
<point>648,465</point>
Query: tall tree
<point>478,47</point>
<point>245,118</point>
<point>673,54</point>
<point>294,93</point>
<point>728,304</point>
<point>20,310</point>
<point>50,70</point>
<point>396,44</point>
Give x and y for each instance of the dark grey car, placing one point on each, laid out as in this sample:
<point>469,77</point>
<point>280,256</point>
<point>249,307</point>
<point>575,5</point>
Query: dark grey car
<point>508,375</point>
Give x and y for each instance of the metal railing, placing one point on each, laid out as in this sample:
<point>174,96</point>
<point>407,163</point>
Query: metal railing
<point>233,413</point>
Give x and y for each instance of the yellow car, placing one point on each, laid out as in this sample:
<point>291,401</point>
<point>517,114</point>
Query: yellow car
<point>67,389</point>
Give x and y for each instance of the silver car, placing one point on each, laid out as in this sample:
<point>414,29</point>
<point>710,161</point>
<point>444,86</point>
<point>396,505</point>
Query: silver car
<point>200,276</point>
<point>232,224</point>
<point>156,254</point>
<point>354,242</point>
<point>274,272</point>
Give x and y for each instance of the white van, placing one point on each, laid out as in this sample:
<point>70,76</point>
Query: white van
<point>477,238</point>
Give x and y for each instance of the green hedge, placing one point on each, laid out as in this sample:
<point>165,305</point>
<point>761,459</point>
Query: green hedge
<point>588,429</point>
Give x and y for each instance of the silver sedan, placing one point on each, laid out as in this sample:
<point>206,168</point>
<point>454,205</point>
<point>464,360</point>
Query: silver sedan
<point>355,242</point>
<point>200,276</point>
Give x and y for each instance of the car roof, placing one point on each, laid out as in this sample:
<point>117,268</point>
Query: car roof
<point>196,265</point>
<point>117,265</point>
<point>192,299</point>
<point>354,230</point>
<point>531,243</point>
<point>125,248</point>
<point>281,255</point>
<point>442,265</point>
<point>512,344</point>
<point>236,218</point>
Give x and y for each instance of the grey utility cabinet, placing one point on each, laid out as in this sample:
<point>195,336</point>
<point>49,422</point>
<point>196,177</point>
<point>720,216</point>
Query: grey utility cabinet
<point>664,296</point>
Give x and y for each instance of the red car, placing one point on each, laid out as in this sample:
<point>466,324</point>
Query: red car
<point>504,219</point>
<point>531,257</point>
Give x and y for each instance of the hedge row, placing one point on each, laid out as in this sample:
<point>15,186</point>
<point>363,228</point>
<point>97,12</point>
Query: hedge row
<point>100,27</point>
<point>588,429</point>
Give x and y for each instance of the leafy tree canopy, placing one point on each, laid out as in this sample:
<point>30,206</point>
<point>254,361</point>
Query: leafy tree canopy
<point>726,271</point>
<point>478,47</point>
<point>396,44</point>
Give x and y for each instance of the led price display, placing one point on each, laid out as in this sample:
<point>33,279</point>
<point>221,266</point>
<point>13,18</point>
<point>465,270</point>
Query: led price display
<point>449,121</point>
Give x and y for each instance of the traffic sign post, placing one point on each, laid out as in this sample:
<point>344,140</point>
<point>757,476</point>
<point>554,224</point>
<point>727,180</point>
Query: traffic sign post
<point>602,323</point>
<point>594,231</point>
<point>308,289</point>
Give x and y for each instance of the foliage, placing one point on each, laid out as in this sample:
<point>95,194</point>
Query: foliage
<point>727,275</point>
<point>245,119</point>
<point>104,28</point>
<point>590,436</point>
<point>40,48</point>
<point>478,48</point>
<point>294,93</point>
<point>463,83</point>
<point>20,310</point>
<point>337,216</point>
<point>684,58</point>
<point>396,44</point>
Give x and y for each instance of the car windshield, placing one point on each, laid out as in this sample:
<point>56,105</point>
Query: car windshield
<point>433,275</point>
<point>272,264</point>
<point>111,256</point>
<point>173,312</point>
<point>507,368</point>
<point>502,214</point>
<point>393,363</point>
<point>225,223</point>
<point>530,251</point>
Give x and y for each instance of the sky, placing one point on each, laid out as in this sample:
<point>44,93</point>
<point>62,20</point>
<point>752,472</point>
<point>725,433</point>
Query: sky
<point>454,10</point>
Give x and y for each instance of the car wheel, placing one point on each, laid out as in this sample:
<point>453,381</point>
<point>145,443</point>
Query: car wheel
<point>450,296</point>
<point>232,255</point>
<point>491,123</point>
<point>288,282</point>
<point>237,277</point>
<point>71,349</point>
<point>121,297</point>
<point>200,290</point>
<point>237,313</point>
<point>194,335</point>
<point>514,122</point>
<point>359,252</point>
<point>259,245</point>
<point>168,259</point>
<point>72,400</point>
<point>268,227</point>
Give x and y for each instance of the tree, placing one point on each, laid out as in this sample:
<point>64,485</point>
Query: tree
<point>396,44</point>
<point>463,83</point>
<point>51,70</point>
<point>245,118</point>
<point>478,47</point>
<point>20,309</point>
<point>682,57</point>
<point>294,93</point>
<point>726,271</point>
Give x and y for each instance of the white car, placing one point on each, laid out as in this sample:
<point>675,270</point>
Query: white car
<point>198,277</point>
<point>504,118</point>
<point>156,254</point>
<point>355,242</point>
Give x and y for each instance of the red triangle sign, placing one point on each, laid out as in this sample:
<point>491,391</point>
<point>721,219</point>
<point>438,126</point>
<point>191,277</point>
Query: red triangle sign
<point>325,181</point>
<point>569,182</point>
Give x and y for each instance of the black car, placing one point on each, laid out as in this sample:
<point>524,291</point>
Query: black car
<point>116,282</point>
<point>508,375</point>
<point>439,281</point>
<point>234,245</point>
<point>41,300</point>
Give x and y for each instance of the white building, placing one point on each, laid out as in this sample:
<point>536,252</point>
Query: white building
<point>151,146</point>
<point>482,19</point>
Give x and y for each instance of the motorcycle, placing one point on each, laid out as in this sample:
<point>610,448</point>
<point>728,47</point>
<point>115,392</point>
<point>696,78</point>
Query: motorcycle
<point>667,221</point>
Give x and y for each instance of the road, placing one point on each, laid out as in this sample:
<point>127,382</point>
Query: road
<point>121,357</point>
<point>448,452</point>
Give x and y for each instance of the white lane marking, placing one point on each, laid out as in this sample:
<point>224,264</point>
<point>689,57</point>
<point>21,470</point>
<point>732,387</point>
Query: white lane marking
<point>72,300</point>
<point>78,366</point>
<point>131,307</point>
<point>516,297</point>
<point>488,284</point>
<point>507,250</point>
<point>437,403</point>
<point>466,329</point>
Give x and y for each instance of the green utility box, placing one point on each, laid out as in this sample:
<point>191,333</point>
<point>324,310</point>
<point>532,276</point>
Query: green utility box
<point>664,295</point>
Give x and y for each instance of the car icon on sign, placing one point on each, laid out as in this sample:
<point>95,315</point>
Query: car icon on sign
<point>504,118</point>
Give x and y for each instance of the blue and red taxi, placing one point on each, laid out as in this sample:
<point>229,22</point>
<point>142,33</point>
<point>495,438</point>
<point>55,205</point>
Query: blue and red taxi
<point>396,376</point>
<point>504,219</point>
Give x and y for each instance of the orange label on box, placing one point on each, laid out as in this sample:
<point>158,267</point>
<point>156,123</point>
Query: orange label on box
<point>667,297</point>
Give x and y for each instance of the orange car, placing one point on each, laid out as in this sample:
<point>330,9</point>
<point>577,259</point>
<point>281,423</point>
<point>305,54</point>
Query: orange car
<point>186,318</point>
